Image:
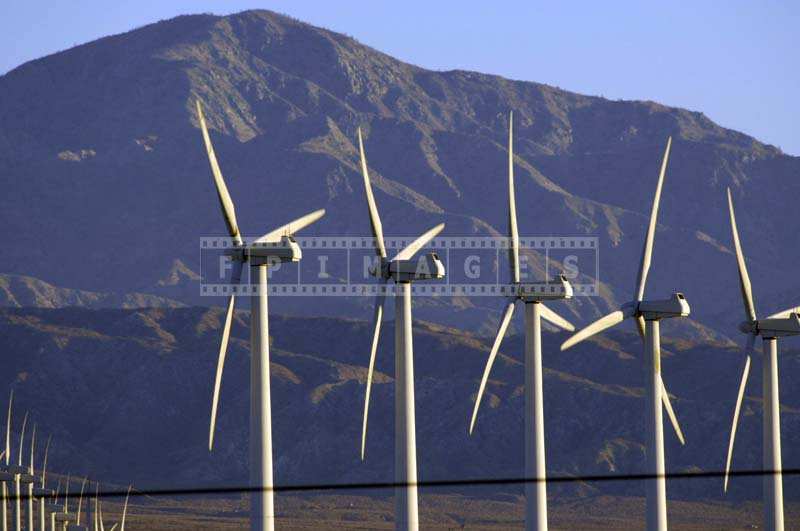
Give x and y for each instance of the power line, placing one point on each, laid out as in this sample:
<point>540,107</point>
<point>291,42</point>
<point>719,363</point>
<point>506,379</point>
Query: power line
<point>433,483</point>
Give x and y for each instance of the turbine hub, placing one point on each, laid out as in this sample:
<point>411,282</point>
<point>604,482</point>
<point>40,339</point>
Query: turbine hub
<point>749,327</point>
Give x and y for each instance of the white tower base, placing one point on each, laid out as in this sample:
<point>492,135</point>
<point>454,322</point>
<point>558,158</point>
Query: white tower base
<point>535,492</point>
<point>405,442</point>
<point>773,483</point>
<point>656,510</point>
<point>262,509</point>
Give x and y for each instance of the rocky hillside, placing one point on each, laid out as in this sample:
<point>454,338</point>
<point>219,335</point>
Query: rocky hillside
<point>107,176</point>
<point>18,291</point>
<point>126,395</point>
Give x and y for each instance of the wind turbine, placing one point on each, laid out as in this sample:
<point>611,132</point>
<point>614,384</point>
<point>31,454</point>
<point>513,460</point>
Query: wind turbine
<point>7,476</point>
<point>31,479</point>
<point>77,525</point>
<point>781,324</point>
<point>403,270</point>
<point>41,493</point>
<point>63,517</point>
<point>535,310</point>
<point>20,475</point>
<point>54,508</point>
<point>275,245</point>
<point>648,314</point>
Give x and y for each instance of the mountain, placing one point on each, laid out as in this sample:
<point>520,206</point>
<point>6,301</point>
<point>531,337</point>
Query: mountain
<point>17,291</point>
<point>101,151</point>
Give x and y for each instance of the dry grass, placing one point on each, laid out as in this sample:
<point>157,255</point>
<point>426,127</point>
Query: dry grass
<point>443,511</point>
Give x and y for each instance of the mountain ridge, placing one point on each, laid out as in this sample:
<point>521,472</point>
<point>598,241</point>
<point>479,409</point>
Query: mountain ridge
<point>283,100</point>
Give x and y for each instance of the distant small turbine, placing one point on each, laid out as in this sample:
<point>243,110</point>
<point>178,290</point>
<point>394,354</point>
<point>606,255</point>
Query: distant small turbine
<point>536,490</point>
<point>403,270</point>
<point>781,324</point>
<point>7,476</point>
<point>648,314</point>
<point>41,493</point>
<point>77,525</point>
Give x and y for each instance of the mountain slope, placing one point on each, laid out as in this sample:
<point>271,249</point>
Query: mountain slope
<point>120,374</point>
<point>100,146</point>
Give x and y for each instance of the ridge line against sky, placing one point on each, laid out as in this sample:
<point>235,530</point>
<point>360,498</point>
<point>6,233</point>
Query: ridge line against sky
<point>734,61</point>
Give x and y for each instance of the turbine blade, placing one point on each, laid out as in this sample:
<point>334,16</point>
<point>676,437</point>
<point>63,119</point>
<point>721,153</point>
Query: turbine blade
<point>225,201</point>
<point>412,248</point>
<point>556,319</point>
<point>80,502</point>
<point>744,278</point>
<point>374,218</point>
<point>740,395</point>
<point>640,326</point>
<point>607,321</point>
<point>785,313</point>
<point>44,462</point>
<point>376,333</point>
<point>647,252</point>
<point>22,438</point>
<point>223,349</point>
<point>291,228</point>
<point>513,233</point>
<point>8,428</point>
<point>125,510</point>
<point>33,448</point>
<point>492,355</point>
<point>670,412</point>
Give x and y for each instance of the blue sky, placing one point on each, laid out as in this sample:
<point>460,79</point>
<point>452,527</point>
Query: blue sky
<point>733,60</point>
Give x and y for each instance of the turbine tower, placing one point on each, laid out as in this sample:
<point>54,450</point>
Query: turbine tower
<point>535,310</point>
<point>403,270</point>
<point>6,474</point>
<point>781,324</point>
<point>648,314</point>
<point>277,245</point>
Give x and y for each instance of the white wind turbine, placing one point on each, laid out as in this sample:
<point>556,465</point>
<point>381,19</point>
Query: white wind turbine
<point>781,324</point>
<point>21,475</point>
<point>403,270</point>
<point>63,517</point>
<point>77,525</point>
<point>535,310</point>
<point>277,245</point>
<point>41,493</point>
<point>54,508</point>
<point>6,475</point>
<point>31,479</point>
<point>647,314</point>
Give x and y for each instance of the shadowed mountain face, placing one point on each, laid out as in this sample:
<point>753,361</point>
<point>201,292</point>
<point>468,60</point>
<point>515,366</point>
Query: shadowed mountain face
<point>109,185</point>
<point>126,395</point>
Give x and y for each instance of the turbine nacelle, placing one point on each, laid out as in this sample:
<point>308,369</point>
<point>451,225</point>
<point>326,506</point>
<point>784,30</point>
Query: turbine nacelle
<point>560,288</point>
<point>27,479</point>
<point>773,327</point>
<point>15,470</point>
<point>39,492</point>
<point>675,306</point>
<point>426,267</point>
<point>267,253</point>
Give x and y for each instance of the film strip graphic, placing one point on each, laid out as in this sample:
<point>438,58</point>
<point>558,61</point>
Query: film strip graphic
<point>341,266</point>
